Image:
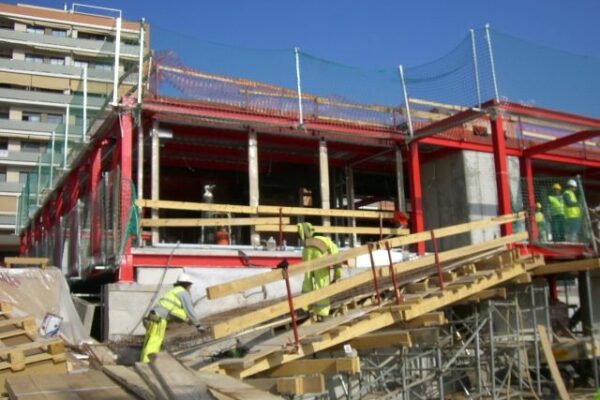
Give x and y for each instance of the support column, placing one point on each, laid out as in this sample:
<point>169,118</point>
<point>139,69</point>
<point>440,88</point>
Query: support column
<point>125,144</point>
<point>95,174</point>
<point>401,203</point>
<point>253,183</point>
<point>324,179</point>
<point>416,194</point>
<point>155,177</point>
<point>500,164</point>
<point>140,160</point>
<point>350,200</point>
<point>527,173</point>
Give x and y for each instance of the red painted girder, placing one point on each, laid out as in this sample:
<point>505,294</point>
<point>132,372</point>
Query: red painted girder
<point>445,124</point>
<point>560,142</point>
<point>221,261</point>
<point>552,115</point>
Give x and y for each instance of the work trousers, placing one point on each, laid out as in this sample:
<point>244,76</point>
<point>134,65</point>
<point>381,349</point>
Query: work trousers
<point>155,334</point>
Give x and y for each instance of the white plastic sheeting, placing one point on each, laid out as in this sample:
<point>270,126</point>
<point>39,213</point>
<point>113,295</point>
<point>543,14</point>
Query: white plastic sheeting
<point>37,292</point>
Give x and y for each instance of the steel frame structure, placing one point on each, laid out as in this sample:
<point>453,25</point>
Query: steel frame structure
<point>117,133</point>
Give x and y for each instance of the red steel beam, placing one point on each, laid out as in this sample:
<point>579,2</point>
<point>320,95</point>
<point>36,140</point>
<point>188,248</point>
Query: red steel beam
<point>416,193</point>
<point>125,144</point>
<point>95,174</point>
<point>527,173</point>
<point>560,142</point>
<point>501,168</point>
<point>210,259</point>
<point>543,113</point>
<point>446,123</point>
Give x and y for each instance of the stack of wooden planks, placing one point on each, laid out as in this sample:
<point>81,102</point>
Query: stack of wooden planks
<point>22,352</point>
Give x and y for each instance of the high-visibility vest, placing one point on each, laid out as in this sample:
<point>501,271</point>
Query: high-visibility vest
<point>572,212</point>
<point>171,303</point>
<point>539,217</point>
<point>557,205</point>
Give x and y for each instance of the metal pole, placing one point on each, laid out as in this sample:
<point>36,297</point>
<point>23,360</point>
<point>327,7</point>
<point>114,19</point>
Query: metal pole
<point>155,177</point>
<point>299,85</point>
<point>400,181</point>
<point>39,181</point>
<point>478,352</point>
<point>590,307</point>
<point>440,371</point>
<point>474,50</point>
<point>350,200</point>
<point>286,278</point>
<point>66,145</point>
<point>373,269</point>
<point>85,101</point>
<point>116,67</point>
<point>536,347</point>
<point>492,350</point>
<point>489,43</point>
<point>519,345</point>
<point>324,179</point>
<point>52,159</point>
<point>393,273</point>
<point>405,94</point>
<point>141,63</point>
<point>140,161</point>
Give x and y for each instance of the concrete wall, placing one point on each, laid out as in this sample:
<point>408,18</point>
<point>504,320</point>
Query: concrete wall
<point>459,179</point>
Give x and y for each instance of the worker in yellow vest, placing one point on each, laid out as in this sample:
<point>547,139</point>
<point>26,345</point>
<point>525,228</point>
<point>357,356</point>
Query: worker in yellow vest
<point>175,305</point>
<point>540,221</point>
<point>316,247</point>
<point>572,212</point>
<point>557,213</point>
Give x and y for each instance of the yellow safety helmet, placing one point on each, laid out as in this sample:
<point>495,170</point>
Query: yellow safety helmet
<point>305,230</point>
<point>538,205</point>
<point>557,186</point>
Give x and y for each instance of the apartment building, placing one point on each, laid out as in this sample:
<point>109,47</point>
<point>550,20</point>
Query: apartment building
<point>53,64</point>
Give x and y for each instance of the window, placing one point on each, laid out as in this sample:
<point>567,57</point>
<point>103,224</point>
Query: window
<point>30,147</point>
<point>34,58</point>
<point>35,29</point>
<point>58,32</point>
<point>2,174</point>
<point>31,117</point>
<point>23,177</point>
<point>102,66</point>
<point>57,61</point>
<point>54,118</point>
<point>3,148</point>
<point>80,63</point>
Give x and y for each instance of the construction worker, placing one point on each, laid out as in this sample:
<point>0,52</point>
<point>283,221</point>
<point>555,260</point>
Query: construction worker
<point>316,247</point>
<point>572,212</point>
<point>557,213</point>
<point>174,306</point>
<point>540,220</point>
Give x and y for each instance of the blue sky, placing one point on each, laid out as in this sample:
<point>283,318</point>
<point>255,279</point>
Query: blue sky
<point>370,34</point>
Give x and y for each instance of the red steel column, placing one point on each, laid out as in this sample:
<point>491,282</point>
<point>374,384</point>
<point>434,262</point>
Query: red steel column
<point>124,144</point>
<point>527,173</point>
<point>416,194</point>
<point>500,164</point>
<point>95,172</point>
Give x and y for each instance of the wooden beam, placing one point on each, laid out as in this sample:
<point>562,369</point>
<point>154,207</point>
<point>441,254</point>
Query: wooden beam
<point>240,322</point>
<point>378,340</point>
<point>294,385</point>
<point>233,388</point>
<point>344,230</point>
<point>128,378</point>
<point>194,222</point>
<point>429,319</point>
<point>547,349</point>
<point>324,366</point>
<point>39,261</point>
<point>569,266</point>
<point>496,293</point>
<point>177,381</point>
<point>242,284</point>
<point>290,211</point>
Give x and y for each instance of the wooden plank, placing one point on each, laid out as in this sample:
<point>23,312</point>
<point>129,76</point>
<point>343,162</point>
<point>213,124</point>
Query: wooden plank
<point>233,388</point>
<point>429,319</point>
<point>345,230</point>
<point>90,385</point>
<point>378,340</point>
<point>196,222</point>
<point>128,378</point>
<point>240,322</point>
<point>240,285</point>
<point>289,211</point>
<point>151,380</point>
<point>11,261</point>
<point>381,320</point>
<point>291,386</point>
<point>496,293</point>
<point>324,366</point>
<point>569,266</point>
<point>547,349</point>
<point>178,382</point>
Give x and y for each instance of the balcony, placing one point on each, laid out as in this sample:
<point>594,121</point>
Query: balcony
<point>60,71</point>
<point>37,128</point>
<point>67,44</point>
<point>48,99</point>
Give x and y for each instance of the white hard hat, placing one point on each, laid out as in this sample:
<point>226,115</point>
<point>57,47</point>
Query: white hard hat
<point>185,278</point>
<point>572,183</point>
